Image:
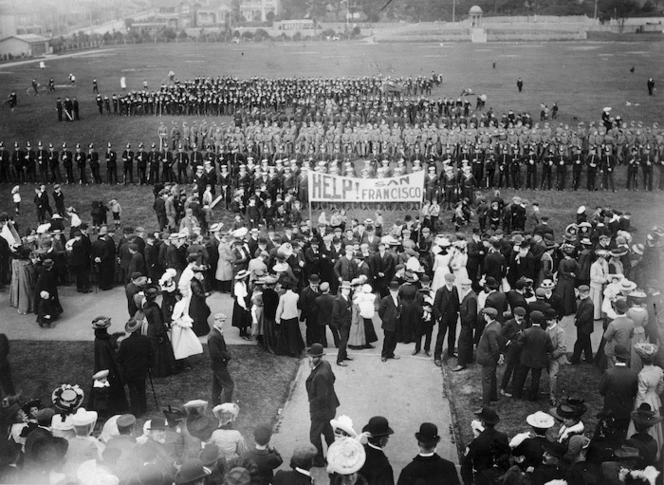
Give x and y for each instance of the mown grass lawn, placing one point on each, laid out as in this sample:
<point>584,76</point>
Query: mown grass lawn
<point>262,380</point>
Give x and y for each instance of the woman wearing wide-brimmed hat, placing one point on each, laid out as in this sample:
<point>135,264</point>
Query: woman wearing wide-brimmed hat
<point>163,363</point>
<point>345,458</point>
<point>241,310</point>
<point>644,418</point>
<point>105,358</point>
<point>651,385</point>
<point>568,269</point>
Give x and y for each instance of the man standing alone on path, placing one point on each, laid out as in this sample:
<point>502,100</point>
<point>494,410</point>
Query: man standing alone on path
<point>389,312</point>
<point>222,382</point>
<point>323,401</point>
<point>445,312</point>
<point>488,356</point>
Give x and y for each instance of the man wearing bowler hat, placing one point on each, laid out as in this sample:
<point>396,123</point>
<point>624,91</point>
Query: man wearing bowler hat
<point>536,346</point>
<point>377,469</point>
<point>342,315</point>
<point>486,452</point>
<point>134,357</point>
<point>323,401</point>
<point>445,312</point>
<point>307,306</point>
<point>428,468</point>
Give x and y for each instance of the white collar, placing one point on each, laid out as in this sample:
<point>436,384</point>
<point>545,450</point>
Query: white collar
<point>566,432</point>
<point>261,447</point>
<point>427,455</point>
<point>303,472</point>
<point>375,447</point>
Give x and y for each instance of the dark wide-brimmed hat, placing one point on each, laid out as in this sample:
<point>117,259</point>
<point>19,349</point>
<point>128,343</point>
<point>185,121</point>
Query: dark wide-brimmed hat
<point>570,408</point>
<point>377,427</point>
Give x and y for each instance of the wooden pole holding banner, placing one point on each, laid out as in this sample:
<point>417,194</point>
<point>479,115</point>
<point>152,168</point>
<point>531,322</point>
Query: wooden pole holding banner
<point>309,193</point>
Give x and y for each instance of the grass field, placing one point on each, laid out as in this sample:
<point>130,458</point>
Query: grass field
<point>466,389</point>
<point>262,380</point>
<point>582,77</point>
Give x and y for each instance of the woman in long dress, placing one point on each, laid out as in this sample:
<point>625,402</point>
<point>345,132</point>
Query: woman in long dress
<point>290,336</point>
<point>441,267</point>
<point>105,347</point>
<point>611,292</point>
<point>199,311</point>
<point>356,336</point>
<point>257,312</point>
<point>224,273</point>
<point>241,310</point>
<point>411,312</point>
<point>184,340</point>
<point>651,385</point>
<point>567,271</point>
<point>639,315</point>
<point>458,264</point>
<point>599,272</point>
<point>21,290</point>
<point>366,304</point>
<point>546,264</point>
<point>270,305</point>
<point>163,361</point>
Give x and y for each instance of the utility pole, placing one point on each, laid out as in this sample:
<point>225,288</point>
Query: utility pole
<point>453,11</point>
<point>595,17</point>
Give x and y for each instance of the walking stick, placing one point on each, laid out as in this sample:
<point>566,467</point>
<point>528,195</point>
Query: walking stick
<point>154,394</point>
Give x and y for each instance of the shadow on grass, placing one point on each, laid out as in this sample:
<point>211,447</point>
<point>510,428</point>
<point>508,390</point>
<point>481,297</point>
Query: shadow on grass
<point>262,380</point>
<point>465,391</point>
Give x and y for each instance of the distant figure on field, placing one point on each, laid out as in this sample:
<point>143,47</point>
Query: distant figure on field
<point>651,85</point>
<point>519,84</point>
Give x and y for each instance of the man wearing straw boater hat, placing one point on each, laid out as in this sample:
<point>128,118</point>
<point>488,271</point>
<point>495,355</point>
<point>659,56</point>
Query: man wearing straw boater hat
<point>323,401</point>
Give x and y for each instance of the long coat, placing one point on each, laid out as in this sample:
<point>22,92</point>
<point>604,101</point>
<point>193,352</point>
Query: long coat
<point>105,358</point>
<point>323,400</point>
<point>389,313</point>
<point>225,263</point>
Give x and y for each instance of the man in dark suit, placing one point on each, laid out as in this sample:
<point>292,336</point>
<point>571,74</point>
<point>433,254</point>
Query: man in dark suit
<point>382,267</point>
<point>489,356</point>
<point>323,401</point>
<point>445,312</point>
<point>80,262</point>
<point>619,332</point>
<point>468,321</point>
<point>389,312</point>
<point>307,306</point>
<point>495,264</point>
<point>476,253</point>
<point>515,296</point>
<point>377,469</point>
<point>536,346</point>
<point>222,382</point>
<point>324,308</point>
<point>134,357</point>
<point>540,304</point>
<point>585,324</point>
<point>619,386</point>
<point>103,261</point>
<point>301,463</point>
<point>342,316</point>
<point>489,448</point>
<point>428,468</point>
<point>496,298</point>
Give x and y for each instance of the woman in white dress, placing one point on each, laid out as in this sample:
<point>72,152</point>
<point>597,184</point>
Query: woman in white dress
<point>458,263</point>
<point>183,338</point>
<point>441,265</point>
<point>599,271</point>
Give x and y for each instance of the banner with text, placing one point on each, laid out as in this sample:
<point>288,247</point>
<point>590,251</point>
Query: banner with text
<point>335,188</point>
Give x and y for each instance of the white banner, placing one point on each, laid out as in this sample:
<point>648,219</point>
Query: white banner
<point>334,188</point>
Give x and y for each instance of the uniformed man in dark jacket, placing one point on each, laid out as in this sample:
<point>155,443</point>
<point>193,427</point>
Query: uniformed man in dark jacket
<point>536,346</point>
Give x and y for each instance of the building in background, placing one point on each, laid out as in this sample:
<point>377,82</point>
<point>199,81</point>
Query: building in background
<point>24,45</point>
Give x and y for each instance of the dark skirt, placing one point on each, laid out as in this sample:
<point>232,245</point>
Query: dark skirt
<point>270,334</point>
<point>565,289</point>
<point>241,317</point>
<point>290,339</point>
<point>369,331</point>
<point>199,311</point>
<point>163,363</point>
<point>410,319</point>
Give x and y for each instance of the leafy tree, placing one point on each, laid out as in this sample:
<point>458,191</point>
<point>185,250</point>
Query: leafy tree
<point>261,35</point>
<point>182,35</point>
<point>107,37</point>
<point>621,10</point>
